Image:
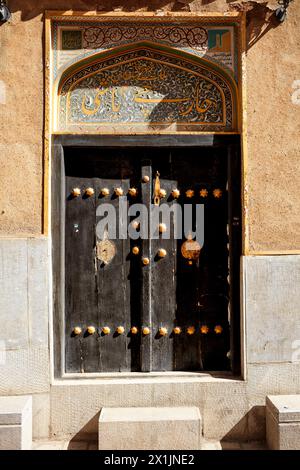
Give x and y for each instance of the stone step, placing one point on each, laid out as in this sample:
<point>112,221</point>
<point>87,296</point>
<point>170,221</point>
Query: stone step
<point>15,423</point>
<point>283,422</point>
<point>157,428</point>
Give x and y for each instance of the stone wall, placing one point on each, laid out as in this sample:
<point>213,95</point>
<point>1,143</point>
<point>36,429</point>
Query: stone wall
<point>24,311</point>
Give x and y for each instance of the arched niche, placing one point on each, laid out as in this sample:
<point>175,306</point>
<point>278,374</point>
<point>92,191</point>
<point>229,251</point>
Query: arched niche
<point>145,88</point>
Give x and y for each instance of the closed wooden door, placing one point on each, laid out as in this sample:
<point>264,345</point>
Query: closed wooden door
<point>170,312</point>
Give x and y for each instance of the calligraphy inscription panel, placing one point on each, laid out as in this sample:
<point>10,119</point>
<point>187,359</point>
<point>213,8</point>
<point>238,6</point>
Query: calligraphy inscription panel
<point>146,88</point>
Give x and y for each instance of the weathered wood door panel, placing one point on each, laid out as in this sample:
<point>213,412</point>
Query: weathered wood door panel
<point>113,287</point>
<point>171,291</point>
<point>80,292</point>
<point>98,294</point>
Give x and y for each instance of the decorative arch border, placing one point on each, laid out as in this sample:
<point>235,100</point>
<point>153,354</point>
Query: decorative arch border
<point>237,19</point>
<point>170,58</point>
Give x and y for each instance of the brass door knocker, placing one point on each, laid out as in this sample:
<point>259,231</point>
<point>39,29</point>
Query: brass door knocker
<point>157,189</point>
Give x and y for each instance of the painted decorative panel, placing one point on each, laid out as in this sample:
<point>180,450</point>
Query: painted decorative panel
<point>145,75</point>
<point>147,88</point>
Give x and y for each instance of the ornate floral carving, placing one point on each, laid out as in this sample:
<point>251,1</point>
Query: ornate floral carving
<point>105,36</point>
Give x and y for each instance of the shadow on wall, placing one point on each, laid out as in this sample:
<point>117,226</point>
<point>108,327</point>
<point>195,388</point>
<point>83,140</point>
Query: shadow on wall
<point>260,18</point>
<point>31,8</point>
<point>252,427</point>
<point>89,432</point>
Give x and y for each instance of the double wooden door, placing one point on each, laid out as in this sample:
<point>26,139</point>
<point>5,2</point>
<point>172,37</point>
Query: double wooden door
<point>146,304</point>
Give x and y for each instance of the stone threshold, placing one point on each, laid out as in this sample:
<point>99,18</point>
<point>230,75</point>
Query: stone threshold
<point>145,377</point>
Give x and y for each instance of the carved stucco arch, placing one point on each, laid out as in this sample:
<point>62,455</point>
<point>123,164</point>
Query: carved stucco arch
<point>145,87</point>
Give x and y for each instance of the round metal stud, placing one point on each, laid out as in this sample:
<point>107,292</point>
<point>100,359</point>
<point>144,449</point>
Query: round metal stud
<point>217,193</point>
<point>119,192</point>
<point>77,330</point>
<point>190,193</point>
<point>190,330</point>
<point>120,330</point>
<point>132,192</point>
<point>135,250</point>
<point>177,330</point>
<point>106,330</point>
<point>146,179</point>
<point>162,253</point>
<point>203,192</point>
<point>162,228</point>
<point>163,331</point>
<point>146,331</point>
<point>76,192</point>
<point>204,329</point>
<point>162,192</point>
<point>89,192</point>
<point>175,193</point>
<point>218,329</point>
<point>91,330</point>
<point>146,261</point>
<point>104,192</point>
<point>134,330</point>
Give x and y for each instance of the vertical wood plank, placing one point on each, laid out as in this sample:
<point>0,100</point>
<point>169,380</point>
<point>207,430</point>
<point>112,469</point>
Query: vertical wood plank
<point>234,224</point>
<point>164,285</point>
<point>80,275</point>
<point>146,294</point>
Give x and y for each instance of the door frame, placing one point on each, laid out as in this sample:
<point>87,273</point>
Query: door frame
<point>59,142</point>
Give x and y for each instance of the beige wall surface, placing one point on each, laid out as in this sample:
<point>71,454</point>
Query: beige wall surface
<point>273,116</point>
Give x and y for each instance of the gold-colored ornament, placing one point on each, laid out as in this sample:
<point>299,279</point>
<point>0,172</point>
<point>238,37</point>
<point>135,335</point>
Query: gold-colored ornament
<point>105,250</point>
<point>175,193</point>
<point>104,192</point>
<point>162,193</point>
<point>76,192</point>
<point>162,253</point>
<point>190,250</point>
<point>218,329</point>
<point>177,330</point>
<point>190,330</point>
<point>157,195</point>
<point>217,193</point>
<point>162,228</point>
<point>134,330</point>
<point>146,331</point>
<point>89,192</point>
<point>146,261</point>
<point>163,331</point>
<point>132,192</point>
<point>190,193</point>
<point>135,250</point>
<point>146,179</point>
<point>91,330</point>
<point>203,192</point>
<point>118,191</point>
<point>77,330</point>
<point>120,330</point>
<point>106,330</point>
<point>204,329</point>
